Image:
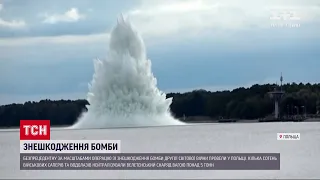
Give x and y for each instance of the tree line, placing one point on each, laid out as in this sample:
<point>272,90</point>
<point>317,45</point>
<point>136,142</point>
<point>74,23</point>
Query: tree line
<point>241,103</point>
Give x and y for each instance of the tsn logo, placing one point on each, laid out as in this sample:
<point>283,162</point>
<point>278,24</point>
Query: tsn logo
<point>34,129</point>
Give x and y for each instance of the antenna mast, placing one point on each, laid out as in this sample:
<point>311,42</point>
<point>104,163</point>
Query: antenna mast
<point>281,79</point>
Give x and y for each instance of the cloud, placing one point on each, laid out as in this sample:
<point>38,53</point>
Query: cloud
<point>196,16</point>
<point>181,62</point>
<point>12,23</point>
<point>16,98</point>
<point>187,19</point>
<point>72,15</point>
<point>64,39</point>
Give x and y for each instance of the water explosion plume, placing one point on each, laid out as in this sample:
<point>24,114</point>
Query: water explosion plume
<point>123,91</point>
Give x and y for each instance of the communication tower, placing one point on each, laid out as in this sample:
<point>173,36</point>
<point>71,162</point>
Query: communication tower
<point>276,95</point>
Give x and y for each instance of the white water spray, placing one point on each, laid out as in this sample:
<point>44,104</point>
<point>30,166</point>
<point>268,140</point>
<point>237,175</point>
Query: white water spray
<point>123,91</point>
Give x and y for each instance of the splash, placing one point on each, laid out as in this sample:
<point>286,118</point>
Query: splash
<point>123,91</point>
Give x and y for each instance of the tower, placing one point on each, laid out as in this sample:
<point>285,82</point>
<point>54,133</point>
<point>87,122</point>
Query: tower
<point>281,79</point>
<point>276,95</point>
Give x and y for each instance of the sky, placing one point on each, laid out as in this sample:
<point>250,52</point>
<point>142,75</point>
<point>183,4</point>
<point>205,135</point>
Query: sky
<point>47,47</point>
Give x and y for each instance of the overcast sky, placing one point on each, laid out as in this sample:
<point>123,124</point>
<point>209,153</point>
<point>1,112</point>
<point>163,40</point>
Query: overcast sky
<point>47,47</point>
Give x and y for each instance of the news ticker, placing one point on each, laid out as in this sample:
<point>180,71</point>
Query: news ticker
<point>150,161</point>
<point>39,152</point>
<point>106,155</point>
<point>70,146</point>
